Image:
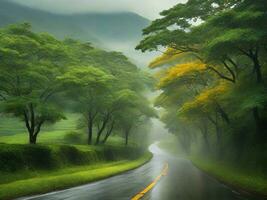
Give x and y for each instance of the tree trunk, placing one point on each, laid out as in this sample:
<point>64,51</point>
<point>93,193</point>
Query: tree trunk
<point>98,136</point>
<point>257,68</point>
<point>254,56</point>
<point>205,136</point>
<point>126,140</point>
<point>216,125</point>
<point>32,138</point>
<point>223,114</point>
<point>218,134</point>
<point>102,129</point>
<point>255,110</point>
<point>30,124</point>
<point>108,133</point>
<point>257,119</point>
<point>33,125</point>
<point>219,137</point>
<point>206,141</point>
<point>127,136</point>
<point>90,131</point>
<point>218,131</point>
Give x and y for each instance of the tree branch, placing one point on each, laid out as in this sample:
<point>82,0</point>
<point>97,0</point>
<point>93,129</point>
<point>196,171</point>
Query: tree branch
<point>221,75</point>
<point>230,70</point>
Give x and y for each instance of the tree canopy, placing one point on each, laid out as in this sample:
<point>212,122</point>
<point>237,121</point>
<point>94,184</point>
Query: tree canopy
<point>40,74</point>
<point>212,71</point>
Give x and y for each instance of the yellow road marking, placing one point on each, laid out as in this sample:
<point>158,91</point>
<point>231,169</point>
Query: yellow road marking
<point>164,172</point>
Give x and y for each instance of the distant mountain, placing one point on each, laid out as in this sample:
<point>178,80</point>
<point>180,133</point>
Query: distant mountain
<point>112,31</point>
<point>115,26</point>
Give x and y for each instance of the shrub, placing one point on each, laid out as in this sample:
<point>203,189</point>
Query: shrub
<point>15,157</point>
<point>18,157</point>
<point>74,137</point>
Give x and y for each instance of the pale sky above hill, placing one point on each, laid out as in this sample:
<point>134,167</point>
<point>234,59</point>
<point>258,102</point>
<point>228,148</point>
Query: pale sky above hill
<point>147,8</point>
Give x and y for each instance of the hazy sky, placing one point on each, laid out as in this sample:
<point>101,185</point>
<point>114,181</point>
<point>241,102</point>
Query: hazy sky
<point>146,8</point>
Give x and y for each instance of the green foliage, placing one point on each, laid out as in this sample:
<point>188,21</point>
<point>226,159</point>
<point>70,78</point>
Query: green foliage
<point>70,166</point>
<point>74,138</point>
<point>69,177</point>
<point>38,71</point>
<point>44,157</point>
<point>212,78</point>
<point>28,77</point>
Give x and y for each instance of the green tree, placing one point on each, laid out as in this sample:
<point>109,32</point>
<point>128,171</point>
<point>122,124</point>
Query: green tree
<point>89,87</point>
<point>212,71</point>
<point>30,64</point>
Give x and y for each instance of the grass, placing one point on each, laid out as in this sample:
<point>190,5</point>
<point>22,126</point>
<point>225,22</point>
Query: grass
<point>239,178</point>
<point>13,131</point>
<point>33,169</point>
<point>11,125</point>
<point>65,178</point>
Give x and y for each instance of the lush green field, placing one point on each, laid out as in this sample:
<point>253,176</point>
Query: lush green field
<point>12,131</point>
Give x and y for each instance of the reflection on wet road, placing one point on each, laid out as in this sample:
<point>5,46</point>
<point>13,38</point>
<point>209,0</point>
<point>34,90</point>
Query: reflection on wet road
<point>183,182</point>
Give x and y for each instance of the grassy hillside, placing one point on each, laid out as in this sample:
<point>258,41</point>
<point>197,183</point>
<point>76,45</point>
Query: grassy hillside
<point>10,125</point>
<point>13,130</point>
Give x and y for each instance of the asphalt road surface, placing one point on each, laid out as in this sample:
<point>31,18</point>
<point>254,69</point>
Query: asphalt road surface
<point>182,182</point>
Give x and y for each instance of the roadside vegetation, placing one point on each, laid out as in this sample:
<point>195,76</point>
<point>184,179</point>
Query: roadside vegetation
<point>248,182</point>
<point>28,170</point>
<point>70,113</point>
<point>212,78</point>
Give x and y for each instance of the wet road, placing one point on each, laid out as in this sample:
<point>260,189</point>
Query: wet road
<point>183,182</point>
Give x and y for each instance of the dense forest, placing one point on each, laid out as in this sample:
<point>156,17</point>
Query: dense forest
<point>41,77</point>
<point>212,78</point>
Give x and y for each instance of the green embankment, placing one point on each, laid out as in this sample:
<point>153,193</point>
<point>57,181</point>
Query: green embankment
<point>240,178</point>
<point>35,169</point>
<point>245,180</point>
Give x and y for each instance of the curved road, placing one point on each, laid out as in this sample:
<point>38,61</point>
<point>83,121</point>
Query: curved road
<point>183,182</point>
